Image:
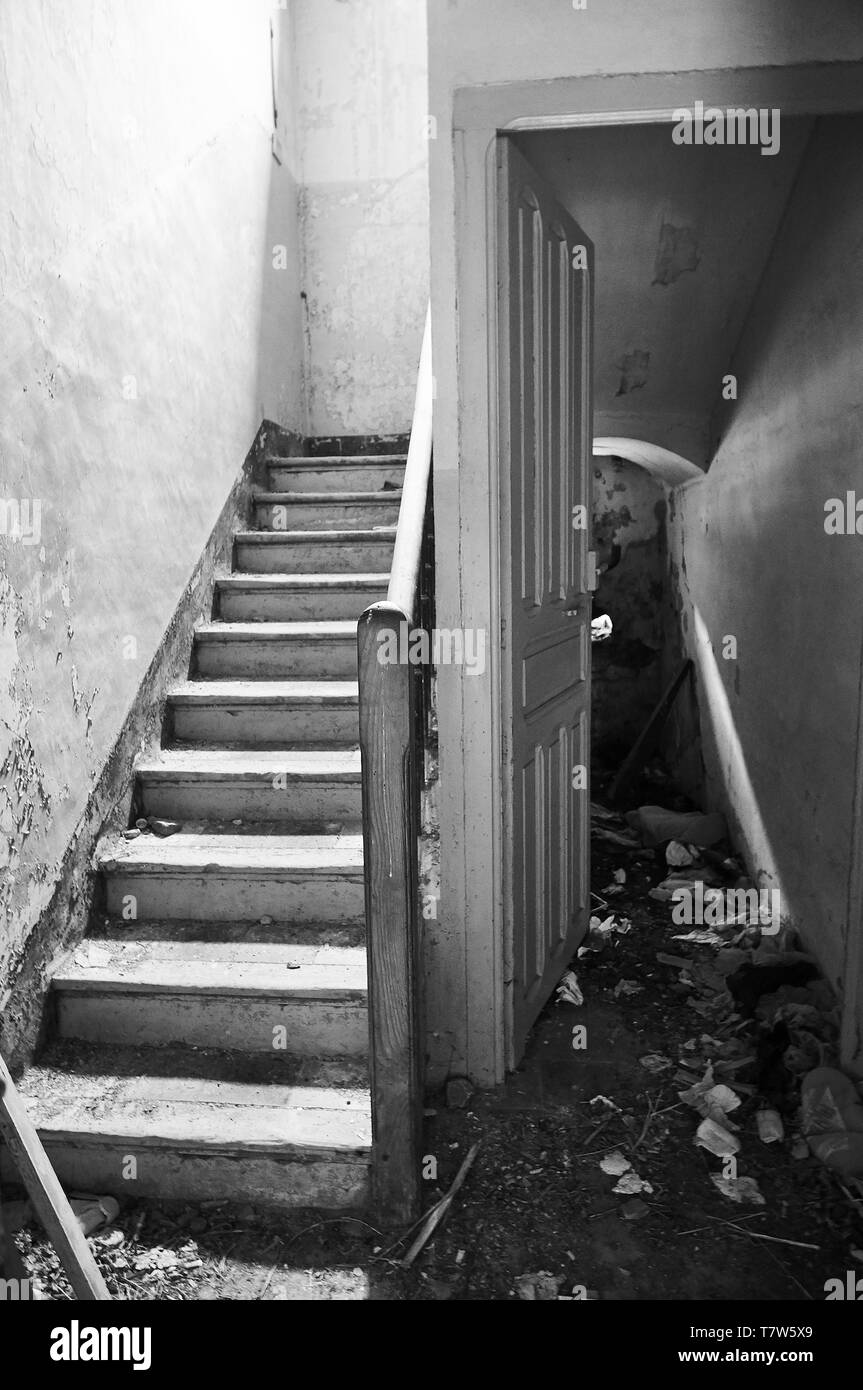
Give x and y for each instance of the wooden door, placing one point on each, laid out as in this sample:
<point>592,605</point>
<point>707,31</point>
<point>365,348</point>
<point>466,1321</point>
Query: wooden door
<point>545,296</point>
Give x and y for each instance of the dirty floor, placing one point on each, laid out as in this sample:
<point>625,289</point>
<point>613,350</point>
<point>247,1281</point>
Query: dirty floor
<point>536,1201</point>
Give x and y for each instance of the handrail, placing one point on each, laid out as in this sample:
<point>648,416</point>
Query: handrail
<point>409,531</point>
<point>392,720</point>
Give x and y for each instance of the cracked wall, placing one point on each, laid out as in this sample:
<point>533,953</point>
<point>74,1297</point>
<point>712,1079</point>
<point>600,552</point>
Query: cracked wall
<point>143,337</point>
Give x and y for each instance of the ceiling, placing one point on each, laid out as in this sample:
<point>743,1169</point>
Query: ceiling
<point>682,234</point>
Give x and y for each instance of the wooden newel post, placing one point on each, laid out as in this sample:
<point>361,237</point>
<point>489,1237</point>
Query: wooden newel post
<point>387,689</point>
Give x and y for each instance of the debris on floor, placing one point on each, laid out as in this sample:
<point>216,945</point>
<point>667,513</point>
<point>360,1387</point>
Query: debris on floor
<point>569,991</point>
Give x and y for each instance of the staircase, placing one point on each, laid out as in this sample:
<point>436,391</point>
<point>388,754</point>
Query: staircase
<point>212,1040</point>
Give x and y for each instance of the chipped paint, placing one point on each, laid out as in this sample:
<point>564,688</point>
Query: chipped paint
<point>633,368</point>
<point>677,252</point>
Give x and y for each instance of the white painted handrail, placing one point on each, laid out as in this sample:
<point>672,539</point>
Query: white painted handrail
<point>409,532</point>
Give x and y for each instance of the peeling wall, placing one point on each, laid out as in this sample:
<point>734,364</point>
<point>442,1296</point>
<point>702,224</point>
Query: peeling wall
<point>751,560</point>
<point>144,334</point>
<point>362,147</point>
<point>629,513</point>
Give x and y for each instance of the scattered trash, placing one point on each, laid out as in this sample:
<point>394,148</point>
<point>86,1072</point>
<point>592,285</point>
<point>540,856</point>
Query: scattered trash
<point>770,1127</point>
<point>654,1062</point>
<point>142,824</point>
<point>679,855</point>
<point>702,936</point>
<point>458,1092</point>
<point>622,838</point>
<point>738,1189</point>
<point>542,1287</point>
<point>716,1139</point>
<point>614,1163</point>
<point>832,1120</point>
<point>748,983</point>
<point>657,826</point>
<point>620,875</point>
<point>630,1184</point>
<point>436,1214</point>
<point>164,828</point>
<point>568,991</point>
<point>603,1100</point>
<point>602,928</point>
<point>676,962</point>
<point>90,955</point>
<point>93,1212</point>
<point>627,987</point>
<point>131,834</point>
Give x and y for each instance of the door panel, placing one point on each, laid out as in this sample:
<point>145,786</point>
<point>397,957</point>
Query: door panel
<point>545,432</point>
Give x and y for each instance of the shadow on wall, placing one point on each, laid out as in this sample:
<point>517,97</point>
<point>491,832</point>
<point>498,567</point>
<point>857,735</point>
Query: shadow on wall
<point>629,514</point>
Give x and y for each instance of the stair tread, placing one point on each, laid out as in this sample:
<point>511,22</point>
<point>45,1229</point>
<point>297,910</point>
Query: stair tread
<point>329,499</point>
<point>340,537</point>
<point>324,461</point>
<point>324,854</point>
<point>230,763</point>
<point>264,692</point>
<point>263,631</point>
<point>203,1113</point>
<point>288,970</point>
<point>348,580</point>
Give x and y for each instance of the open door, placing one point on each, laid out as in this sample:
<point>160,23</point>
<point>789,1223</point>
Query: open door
<point>545,301</point>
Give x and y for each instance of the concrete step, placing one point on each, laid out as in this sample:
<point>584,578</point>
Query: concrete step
<point>315,552</point>
<point>284,598</point>
<point>264,713</point>
<point>230,994</point>
<point>308,786</point>
<point>351,473</point>
<point>235,877</point>
<point>204,1124</point>
<point>325,511</point>
<point>272,651</point>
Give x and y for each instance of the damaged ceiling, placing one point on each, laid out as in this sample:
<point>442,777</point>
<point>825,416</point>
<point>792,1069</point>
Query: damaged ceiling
<point>682,235</point>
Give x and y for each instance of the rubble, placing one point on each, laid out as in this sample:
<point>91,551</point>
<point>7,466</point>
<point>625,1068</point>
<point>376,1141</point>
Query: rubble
<point>657,826</point>
<point>568,991</point>
<point>832,1120</point>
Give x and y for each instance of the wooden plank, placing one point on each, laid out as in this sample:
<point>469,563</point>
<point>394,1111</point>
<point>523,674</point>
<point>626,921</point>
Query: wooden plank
<point>649,736</point>
<point>387,697</point>
<point>46,1194</point>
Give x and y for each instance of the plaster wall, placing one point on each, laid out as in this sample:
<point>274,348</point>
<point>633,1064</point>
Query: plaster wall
<point>768,601</point>
<point>144,334</point>
<point>362,144</point>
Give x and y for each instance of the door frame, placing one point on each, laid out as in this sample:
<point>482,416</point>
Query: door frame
<point>470,995</point>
